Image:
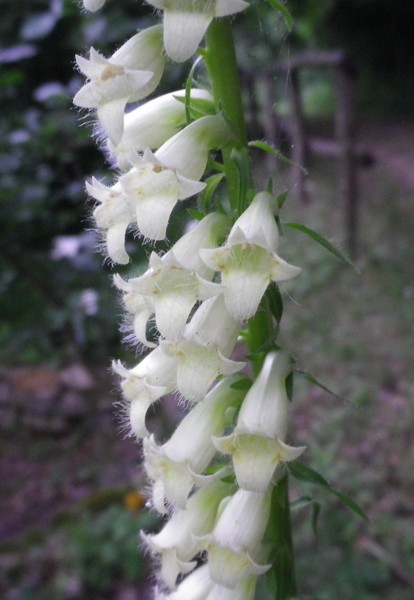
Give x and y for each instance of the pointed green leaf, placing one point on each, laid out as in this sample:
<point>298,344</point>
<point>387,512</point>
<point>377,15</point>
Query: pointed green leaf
<point>212,183</point>
<point>283,11</point>
<point>289,386</point>
<point>242,384</point>
<point>197,215</point>
<point>281,199</point>
<point>315,381</point>
<point>276,153</point>
<point>304,473</point>
<point>317,237</point>
<point>275,301</point>
<point>350,503</point>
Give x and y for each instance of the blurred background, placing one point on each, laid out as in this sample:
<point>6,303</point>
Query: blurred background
<point>71,492</point>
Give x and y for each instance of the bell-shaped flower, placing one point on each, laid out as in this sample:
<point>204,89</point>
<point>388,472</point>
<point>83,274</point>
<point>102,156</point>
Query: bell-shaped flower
<point>186,22</point>
<point>202,353</point>
<point>180,539</point>
<point>190,449</point>
<point>129,75</point>
<point>157,181</point>
<point>112,216</point>
<point>257,444</point>
<point>174,292</point>
<point>172,286</point>
<point>236,538</point>
<point>142,385</point>
<point>93,5</point>
<point>139,307</point>
<point>153,123</point>
<point>248,261</point>
<point>204,234</point>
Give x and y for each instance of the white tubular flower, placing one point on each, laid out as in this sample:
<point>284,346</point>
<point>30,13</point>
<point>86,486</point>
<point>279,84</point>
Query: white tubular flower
<point>173,291</point>
<point>141,308</point>
<point>248,261</point>
<point>112,216</point>
<point>152,124</point>
<point>195,586</point>
<point>93,5</point>
<point>157,181</point>
<point>172,286</point>
<point>205,234</point>
<point>236,538</point>
<point>130,74</point>
<point>179,540</point>
<point>152,378</point>
<point>190,449</point>
<point>202,354</point>
<point>186,22</point>
<point>257,444</point>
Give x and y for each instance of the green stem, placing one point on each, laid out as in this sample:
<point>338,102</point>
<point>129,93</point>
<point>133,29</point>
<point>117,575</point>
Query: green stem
<point>220,59</point>
<point>282,577</point>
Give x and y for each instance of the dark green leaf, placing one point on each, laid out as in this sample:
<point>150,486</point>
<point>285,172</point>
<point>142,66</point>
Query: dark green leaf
<point>315,381</point>
<point>317,237</point>
<point>304,473</point>
<point>212,183</point>
<point>195,214</point>
<point>275,301</point>
<point>243,384</point>
<point>281,199</point>
<point>350,503</point>
<point>289,385</point>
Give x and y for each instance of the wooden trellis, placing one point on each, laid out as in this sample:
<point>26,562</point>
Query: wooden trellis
<point>342,146</point>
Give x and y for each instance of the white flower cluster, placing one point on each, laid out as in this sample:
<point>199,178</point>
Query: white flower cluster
<point>199,294</point>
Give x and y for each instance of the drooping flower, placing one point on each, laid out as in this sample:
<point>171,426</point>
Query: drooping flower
<point>257,444</point>
<point>180,539</point>
<point>139,307</point>
<point>236,538</point>
<point>176,464</point>
<point>153,123</point>
<point>248,261</point>
<point>202,353</point>
<point>142,385</point>
<point>129,75</point>
<point>172,285</point>
<point>186,22</point>
<point>158,181</point>
<point>112,216</point>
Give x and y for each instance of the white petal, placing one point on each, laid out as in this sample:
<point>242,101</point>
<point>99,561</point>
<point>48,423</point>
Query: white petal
<point>111,118</point>
<point>183,32</point>
<point>115,241</point>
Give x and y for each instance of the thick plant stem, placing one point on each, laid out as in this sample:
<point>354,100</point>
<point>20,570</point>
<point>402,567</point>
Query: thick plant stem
<point>220,58</point>
<point>222,68</point>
